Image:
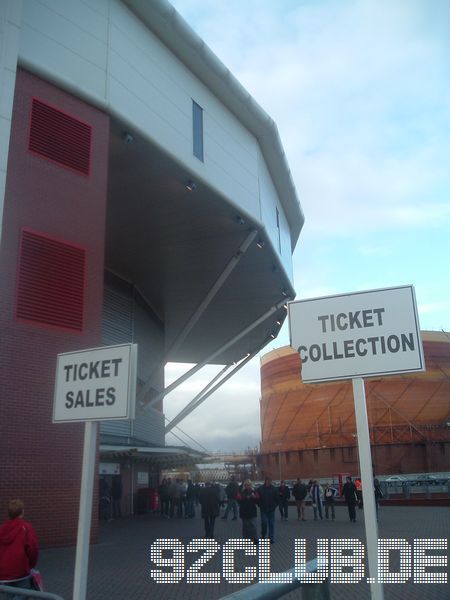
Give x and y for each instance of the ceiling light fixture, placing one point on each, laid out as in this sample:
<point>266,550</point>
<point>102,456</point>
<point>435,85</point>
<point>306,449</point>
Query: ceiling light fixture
<point>190,185</point>
<point>127,137</point>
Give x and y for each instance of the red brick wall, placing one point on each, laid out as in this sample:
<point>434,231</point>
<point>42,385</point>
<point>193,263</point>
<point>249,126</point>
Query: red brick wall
<point>40,461</point>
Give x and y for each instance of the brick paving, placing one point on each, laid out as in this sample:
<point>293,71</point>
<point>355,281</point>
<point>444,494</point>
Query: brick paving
<point>119,567</point>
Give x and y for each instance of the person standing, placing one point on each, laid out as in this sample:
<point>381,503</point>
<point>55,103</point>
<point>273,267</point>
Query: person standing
<point>359,492</point>
<point>116,496</point>
<point>378,494</point>
<point>247,499</point>
<point>349,493</point>
<point>268,501</point>
<point>329,495</point>
<point>19,548</point>
<point>300,491</point>
<point>315,492</point>
<point>190,495</point>
<point>231,491</point>
<point>164,497</point>
<point>209,501</point>
<point>284,493</point>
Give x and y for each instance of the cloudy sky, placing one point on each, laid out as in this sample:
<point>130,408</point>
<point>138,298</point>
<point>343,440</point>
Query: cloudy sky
<point>360,91</point>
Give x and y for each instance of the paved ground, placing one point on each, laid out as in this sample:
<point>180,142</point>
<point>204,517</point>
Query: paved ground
<point>119,567</point>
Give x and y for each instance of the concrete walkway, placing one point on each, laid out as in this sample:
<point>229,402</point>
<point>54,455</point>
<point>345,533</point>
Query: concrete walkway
<point>119,567</point>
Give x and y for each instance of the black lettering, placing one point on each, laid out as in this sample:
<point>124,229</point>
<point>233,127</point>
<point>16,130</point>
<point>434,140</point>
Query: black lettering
<point>314,352</point>
<point>69,399</point>
<point>358,347</point>
<point>79,400</point>
<point>89,402</point>
<point>106,364</point>
<point>373,341</point>
<point>304,357</point>
<point>82,371</point>
<point>378,312</point>
<point>349,350</point>
<point>110,396</point>
<point>67,369</point>
<point>367,317</point>
<point>99,396</point>
<point>116,362</point>
<point>335,351</point>
<point>383,345</point>
<point>93,370</point>
<point>323,318</point>
<point>407,342</point>
<point>325,355</point>
<point>341,325</point>
<point>353,319</point>
<point>333,324</point>
<point>393,343</point>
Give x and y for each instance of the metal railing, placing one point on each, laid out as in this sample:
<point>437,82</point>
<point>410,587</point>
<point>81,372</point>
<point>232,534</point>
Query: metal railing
<point>272,591</point>
<point>7,591</point>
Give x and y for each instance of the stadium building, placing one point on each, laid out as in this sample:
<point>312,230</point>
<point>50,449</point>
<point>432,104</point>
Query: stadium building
<point>144,197</point>
<point>309,430</point>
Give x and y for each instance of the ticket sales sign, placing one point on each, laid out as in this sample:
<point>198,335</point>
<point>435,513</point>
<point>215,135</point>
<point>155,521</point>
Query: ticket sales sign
<point>98,384</point>
<point>363,334</point>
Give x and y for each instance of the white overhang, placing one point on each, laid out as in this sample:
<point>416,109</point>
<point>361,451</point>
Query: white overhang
<point>162,18</point>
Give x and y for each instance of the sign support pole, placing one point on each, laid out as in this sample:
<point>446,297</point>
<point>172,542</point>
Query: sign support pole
<point>365,464</point>
<point>84,519</point>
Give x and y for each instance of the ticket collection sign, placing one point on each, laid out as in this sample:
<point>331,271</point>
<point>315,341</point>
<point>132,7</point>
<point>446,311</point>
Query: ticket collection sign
<point>363,334</point>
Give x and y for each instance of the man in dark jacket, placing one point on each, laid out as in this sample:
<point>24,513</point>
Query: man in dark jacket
<point>349,493</point>
<point>209,501</point>
<point>284,493</point>
<point>248,500</point>
<point>19,548</point>
<point>231,491</point>
<point>268,501</point>
<point>300,491</point>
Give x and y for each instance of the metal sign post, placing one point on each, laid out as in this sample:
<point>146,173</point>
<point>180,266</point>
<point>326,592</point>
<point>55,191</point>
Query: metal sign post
<point>351,336</point>
<point>85,514</point>
<point>366,470</point>
<point>97,384</point>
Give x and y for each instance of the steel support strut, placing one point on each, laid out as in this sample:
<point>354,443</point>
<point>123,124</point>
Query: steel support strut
<point>232,263</point>
<point>204,394</point>
<point>273,309</point>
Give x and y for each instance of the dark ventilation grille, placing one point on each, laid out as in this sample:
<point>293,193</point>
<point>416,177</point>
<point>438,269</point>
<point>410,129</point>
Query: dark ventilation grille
<point>50,288</point>
<point>60,138</point>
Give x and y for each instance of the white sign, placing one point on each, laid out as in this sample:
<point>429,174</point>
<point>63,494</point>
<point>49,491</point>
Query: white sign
<point>142,478</point>
<point>96,385</point>
<point>109,468</point>
<point>363,334</point>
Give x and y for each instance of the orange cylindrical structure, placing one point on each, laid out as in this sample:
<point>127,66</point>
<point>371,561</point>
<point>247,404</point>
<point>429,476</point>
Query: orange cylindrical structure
<point>309,430</point>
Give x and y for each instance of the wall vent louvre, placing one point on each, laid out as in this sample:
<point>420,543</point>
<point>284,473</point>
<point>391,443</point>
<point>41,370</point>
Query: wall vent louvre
<point>50,288</point>
<point>60,137</point>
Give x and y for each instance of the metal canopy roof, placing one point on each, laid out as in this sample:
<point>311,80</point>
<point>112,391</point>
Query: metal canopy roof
<point>173,244</point>
<point>164,458</point>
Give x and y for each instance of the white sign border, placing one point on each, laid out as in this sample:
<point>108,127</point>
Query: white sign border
<point>370,374</point>
<point>131,385</point>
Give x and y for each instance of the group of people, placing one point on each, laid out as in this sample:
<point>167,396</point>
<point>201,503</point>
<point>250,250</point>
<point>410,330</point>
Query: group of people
<point>245,500</point>
<point>178,498</point>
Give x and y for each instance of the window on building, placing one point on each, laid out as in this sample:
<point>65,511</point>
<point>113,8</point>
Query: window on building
<point>278,230</point>
<point>197,130</point>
